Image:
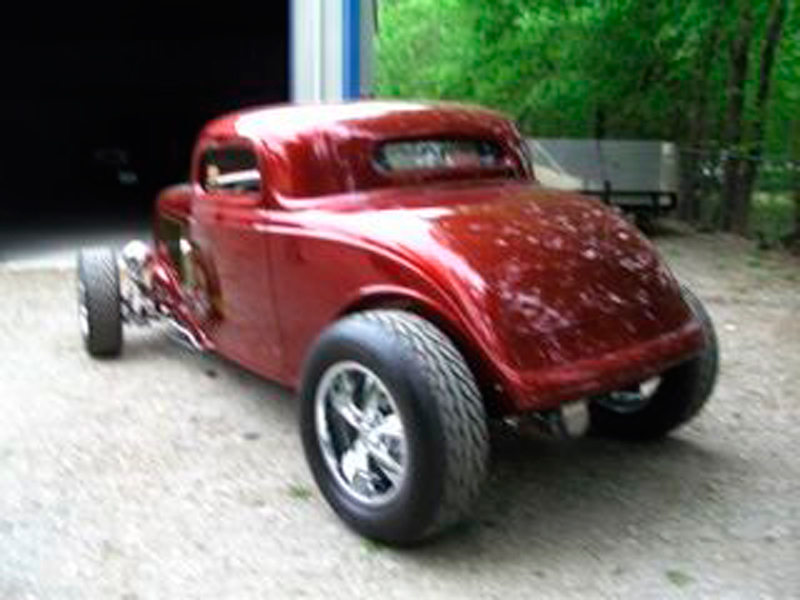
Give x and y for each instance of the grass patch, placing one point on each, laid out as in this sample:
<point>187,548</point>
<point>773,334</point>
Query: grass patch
<point>754,261</point>
<point>371,547</point>
<point>679,578</point>
<point>771,217</point>
<point>300,492</point>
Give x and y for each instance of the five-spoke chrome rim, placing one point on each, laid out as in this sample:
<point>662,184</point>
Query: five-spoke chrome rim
<point>632,399</point>
<point>83,310</point>
<point>360,433</point>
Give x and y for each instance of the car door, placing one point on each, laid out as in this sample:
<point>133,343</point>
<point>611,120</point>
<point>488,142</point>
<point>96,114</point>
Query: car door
<point>230,257</point>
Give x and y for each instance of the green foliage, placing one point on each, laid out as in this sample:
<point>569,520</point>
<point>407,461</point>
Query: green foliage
<point>555,64</point>
<point>772,218</point>
<point>423,48</point>
<point>652,69</point>
<point>552,64</point>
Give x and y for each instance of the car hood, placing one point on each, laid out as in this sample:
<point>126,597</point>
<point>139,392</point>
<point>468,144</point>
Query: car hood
<point>543,276</point>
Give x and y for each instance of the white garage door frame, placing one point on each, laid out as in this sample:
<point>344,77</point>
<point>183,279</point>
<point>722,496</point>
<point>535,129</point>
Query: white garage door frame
<point>331,49</point>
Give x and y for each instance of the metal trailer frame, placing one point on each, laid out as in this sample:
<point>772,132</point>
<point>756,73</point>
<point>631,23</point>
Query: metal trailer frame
<point>639,176</point>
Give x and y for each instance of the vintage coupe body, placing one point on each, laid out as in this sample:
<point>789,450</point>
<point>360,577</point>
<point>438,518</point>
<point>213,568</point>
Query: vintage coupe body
<point>398,264</point>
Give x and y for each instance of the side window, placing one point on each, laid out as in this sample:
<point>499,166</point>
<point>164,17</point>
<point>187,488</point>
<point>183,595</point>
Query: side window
<point>232,169</point>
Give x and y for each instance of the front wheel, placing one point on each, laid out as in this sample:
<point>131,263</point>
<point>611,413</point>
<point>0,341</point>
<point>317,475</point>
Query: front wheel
<point>655,407</point>
<point>393,426</point>
<point>99,302</point>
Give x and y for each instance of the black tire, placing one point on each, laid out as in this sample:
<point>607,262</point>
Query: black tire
<point>680,394</point>
<point>99,302</point>
<point>443,417</point>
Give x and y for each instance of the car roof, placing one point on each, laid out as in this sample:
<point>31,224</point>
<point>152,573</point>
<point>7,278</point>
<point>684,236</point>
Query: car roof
<point>371,119</point>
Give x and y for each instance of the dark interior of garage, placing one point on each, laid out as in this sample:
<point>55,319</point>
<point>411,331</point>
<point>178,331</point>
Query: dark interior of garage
<point>101,106</point>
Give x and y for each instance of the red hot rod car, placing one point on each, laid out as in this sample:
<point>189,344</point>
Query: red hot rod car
<point>398,264</point>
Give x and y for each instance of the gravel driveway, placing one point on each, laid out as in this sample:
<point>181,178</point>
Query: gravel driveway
<point>172,475</point>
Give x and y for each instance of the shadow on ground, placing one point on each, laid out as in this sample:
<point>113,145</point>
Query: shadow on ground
<point>544,497</point>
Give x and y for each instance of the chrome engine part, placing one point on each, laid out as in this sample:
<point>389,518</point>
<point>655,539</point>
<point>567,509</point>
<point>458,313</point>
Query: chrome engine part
<point>135,280</point>
<point>183,336</point>
<point>135,256</point>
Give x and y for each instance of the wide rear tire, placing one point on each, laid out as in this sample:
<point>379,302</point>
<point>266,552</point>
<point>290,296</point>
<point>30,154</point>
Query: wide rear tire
<point>429,412</point>
<point>671,400</point>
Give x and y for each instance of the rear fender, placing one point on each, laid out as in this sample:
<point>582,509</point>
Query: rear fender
<point>496,401</point>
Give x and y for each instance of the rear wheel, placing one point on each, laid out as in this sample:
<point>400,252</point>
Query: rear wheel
<point>655,407</point>
<point>393,426</point>
<point>99,302</point>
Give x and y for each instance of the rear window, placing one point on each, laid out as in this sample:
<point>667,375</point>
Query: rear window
<point>416,155</point>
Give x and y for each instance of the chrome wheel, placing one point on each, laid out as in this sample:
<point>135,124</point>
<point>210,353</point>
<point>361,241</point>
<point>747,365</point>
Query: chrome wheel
<point>632,399</point>
<point>360,433</point>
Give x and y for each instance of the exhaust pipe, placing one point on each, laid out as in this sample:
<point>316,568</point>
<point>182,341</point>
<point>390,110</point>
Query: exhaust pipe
<point>570,420</point>
<point>183,336</point>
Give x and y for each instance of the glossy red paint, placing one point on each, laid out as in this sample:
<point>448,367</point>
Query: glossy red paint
<point>551,296</point>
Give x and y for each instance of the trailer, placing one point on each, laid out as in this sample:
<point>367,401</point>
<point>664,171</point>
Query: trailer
<point>639,176</point>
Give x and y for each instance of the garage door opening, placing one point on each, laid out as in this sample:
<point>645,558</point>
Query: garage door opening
<point>94,128</point>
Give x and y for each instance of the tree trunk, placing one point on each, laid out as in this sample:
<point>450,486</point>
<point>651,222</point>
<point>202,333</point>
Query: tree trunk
<point>793,239</point>
<point>777,16</point>
<point>734,127</point>
<point>696,142</point>
<point>689,161</point>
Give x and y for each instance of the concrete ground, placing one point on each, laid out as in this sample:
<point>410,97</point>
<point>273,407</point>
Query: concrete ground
<point>167,474</point>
